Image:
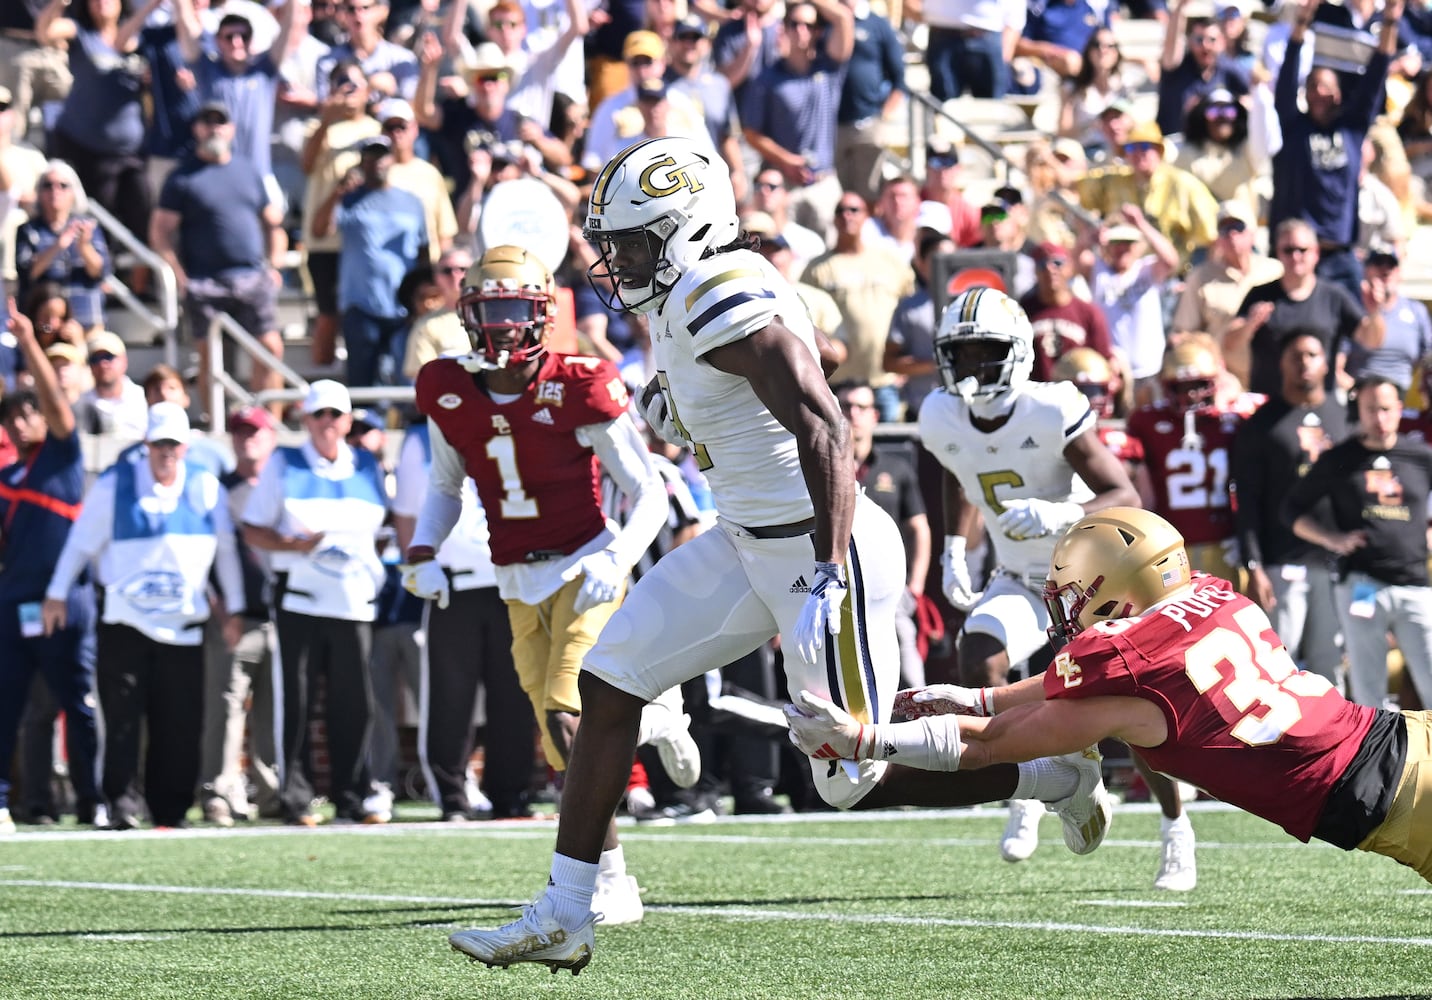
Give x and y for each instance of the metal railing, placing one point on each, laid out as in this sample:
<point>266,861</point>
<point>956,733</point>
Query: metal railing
<point>223,386</point>
<point>924,109</point>
<point>166,321</point>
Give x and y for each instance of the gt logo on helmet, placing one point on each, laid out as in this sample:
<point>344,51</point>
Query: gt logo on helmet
<point>677,178</point>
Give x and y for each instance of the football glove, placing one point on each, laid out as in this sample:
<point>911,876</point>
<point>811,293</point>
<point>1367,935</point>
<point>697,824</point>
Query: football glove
<point>821,612</point>
<point>944,699</point>
<point>824,730</point>
<point>1035,518</point>
<point>955,575</point>
<point>601,579</point>
<point>656,411</point>
<point>428,581</point>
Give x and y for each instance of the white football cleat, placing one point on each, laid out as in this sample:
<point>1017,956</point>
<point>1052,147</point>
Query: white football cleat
<point>680,757</point>
<point>531,938</point>
<point>7,825</point>
<point>1178,871</point>
<point>1087,813</point>
<point>617,900</point>
<point>1021,834</point>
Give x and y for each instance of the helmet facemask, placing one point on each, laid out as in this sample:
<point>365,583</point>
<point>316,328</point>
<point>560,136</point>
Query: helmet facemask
<point>981,367</point>
<point>508,308</point>
<point>633,272</point>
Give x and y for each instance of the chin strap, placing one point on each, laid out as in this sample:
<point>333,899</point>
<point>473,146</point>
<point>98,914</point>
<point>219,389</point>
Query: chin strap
<point>1192,440</point>
<point>475,362</point>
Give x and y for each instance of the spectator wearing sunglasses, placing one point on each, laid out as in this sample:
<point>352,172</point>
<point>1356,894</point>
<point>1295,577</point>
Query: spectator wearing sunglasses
<point>1004,225</point>
<point>1195,63</point>
<point>1216,149</point>
<point>64,244</point>
<point>1216,288</point>
<point>244,80</point>
<point>1178,203</point>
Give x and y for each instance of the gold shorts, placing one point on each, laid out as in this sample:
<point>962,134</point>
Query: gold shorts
<point>1405,833</point>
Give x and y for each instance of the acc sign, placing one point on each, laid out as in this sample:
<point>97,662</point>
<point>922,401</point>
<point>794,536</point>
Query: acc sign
<point>156,591</point>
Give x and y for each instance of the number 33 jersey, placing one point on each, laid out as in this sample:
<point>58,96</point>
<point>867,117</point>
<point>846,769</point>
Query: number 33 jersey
<point>535,476</point>
<point>1023,459</point>
<point>1244,723</point>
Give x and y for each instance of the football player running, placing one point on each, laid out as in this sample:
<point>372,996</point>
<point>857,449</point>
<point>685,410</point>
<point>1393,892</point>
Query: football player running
<point>1181,454</point>
<point>528,425</point>
<point>796,550</point>
<point>1184,668</point>
<point>1025,458</point>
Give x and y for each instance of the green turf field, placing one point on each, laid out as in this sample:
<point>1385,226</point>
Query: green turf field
<point>894,906</point>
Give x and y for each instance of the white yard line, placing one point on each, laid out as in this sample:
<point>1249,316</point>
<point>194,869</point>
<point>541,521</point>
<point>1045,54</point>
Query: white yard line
<point>746,913</point>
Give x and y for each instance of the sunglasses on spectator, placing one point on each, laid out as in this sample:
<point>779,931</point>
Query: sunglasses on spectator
<point>768,185</point>
<point>54,185</point>
<point>1106,46</point>
<point>214,119</point>
<point>1232,226</point>
<point>100,357</point>
<point>639,61</point>
<point>1293,251</point>
<point>492,77</point>
<point>1053,263</point>
<point>1220,112</point>
<point>350,8</point>
<point>229,36</point>
<point>396,125</point>
<point>452,269</point>
<point>993,215</point>
<point>1202,39</point>
<point>849,210</point>
<point>4,107</point>
<point>347,86</point>
<point>940,162</point>
<point>1140,147</point>
<point>327,413</point>
<point>689,36</point>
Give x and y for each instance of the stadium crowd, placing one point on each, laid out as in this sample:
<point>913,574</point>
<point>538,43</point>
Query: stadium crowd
<point>1208,243</point>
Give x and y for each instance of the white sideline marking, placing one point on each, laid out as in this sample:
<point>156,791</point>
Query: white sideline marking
<point>124,937</point>
<point>748,913</point>
<point>1147,904</point>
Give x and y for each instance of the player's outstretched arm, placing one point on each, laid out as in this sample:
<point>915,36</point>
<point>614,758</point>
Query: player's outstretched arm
<point>1051,728</point>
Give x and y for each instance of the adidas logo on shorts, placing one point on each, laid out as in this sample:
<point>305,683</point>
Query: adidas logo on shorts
<point>1029,443</point>
<point>800,586</point>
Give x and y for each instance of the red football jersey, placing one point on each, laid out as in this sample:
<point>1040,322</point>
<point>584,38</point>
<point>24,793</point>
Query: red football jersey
<point>1123,447</point>
<point>1244,723</point>
<point>538,484</point>
<point>1191,483</point>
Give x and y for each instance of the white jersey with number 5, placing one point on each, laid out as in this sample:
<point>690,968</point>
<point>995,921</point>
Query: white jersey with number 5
<point>1023,459</point>
<point>748,458</point>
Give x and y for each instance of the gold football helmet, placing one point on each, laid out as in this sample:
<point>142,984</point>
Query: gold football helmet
<point>508,305</point>
<point>1110,564</point>
<point>1190,372</point>
<point>1090,372</point>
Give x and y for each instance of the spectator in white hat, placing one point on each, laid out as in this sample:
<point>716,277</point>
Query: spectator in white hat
<point>316,509</point>
<point>152,530</point>
<point>410,172</point>
<point>116,405</point>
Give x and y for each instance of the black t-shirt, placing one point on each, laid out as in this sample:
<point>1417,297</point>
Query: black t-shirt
<point>1382,493</point>
<point>1329,310</point>
<point>1273,448</point>
<point>890,479</point>
<point>221,216</point>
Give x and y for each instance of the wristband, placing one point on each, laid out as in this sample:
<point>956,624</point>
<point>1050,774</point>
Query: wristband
<point>420,554</point>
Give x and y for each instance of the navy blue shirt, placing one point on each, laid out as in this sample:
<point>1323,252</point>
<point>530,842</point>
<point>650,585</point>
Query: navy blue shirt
<point>1315,173</point>
<point>220,207</point>
<point>797,110</point>
<point>877,67</point>
<point>1184,86</point>
<point>174,107</point>
<point>84,293</point>
<point>730,41</point>
<point>39,501</point>
<point>1064,23</point>
<point>104,112</point>
<point>249,95</point>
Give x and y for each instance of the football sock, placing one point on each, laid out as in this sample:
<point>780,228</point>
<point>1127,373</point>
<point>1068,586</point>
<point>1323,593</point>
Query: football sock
<point>569,890</point>
<point>1179,827</point>
<point>1045,779</point>
<point>612,864</point>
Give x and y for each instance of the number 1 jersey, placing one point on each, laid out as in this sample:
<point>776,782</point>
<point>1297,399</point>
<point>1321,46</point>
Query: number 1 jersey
<point>1244,724</point>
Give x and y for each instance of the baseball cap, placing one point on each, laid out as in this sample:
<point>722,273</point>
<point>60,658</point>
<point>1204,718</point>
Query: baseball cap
<point>1382,255</point>
<point>395,107</point>
<point>934,215</point>
<point>167,422</point>
<point>643,43</point>
<point>63,350</point>
<point>375,142</point>
<point>326,394</point>
<point>214,108</point>
<point>365,419</point>
<point>690,25</point>
<point>1220,96</point>
<point>1122,105</point>
<point>1070,149</point>
<point>774,241</point>
<point>1233,209</point>
<point>106,342</point>
<point>1145,132</point>
<point>255,417</point>
<point>1122,234</point>
<point>1048,249</point>
<point>1228,10</point>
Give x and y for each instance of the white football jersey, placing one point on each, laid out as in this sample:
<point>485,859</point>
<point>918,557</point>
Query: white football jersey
<point>748,458</point>
<point>1022,460</point>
